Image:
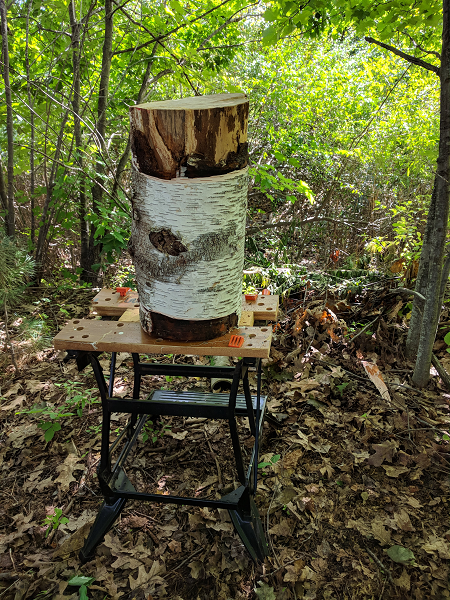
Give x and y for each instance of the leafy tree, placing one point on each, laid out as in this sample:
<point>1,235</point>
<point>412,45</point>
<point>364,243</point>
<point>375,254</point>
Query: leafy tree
<point>417,26</point>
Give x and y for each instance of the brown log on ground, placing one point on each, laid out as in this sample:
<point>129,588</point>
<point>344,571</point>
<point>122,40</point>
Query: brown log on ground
<point>197,137</point>
<point>188,233</point>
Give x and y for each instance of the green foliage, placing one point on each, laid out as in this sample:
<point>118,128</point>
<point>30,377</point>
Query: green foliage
<point>52,416</point>
<point>15,267</point>
<point>37,332</point>
<point>268,179</point>
<point>54,521</point>
<point>401,555</point>
<point>76,397</point>
<point>270,463</point>
<point>83,583</point>
<point>150,432</point>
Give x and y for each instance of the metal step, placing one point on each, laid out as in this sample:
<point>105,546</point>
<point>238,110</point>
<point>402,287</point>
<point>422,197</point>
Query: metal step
<point>186,404</point>
<point>205,398</point>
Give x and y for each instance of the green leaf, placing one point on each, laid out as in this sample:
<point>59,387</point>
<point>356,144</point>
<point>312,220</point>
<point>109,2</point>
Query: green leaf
<point>270,35</point>
<point>80,580</point>
<point>447,339</point>
<point>83,593</point>
<point>401,555</point>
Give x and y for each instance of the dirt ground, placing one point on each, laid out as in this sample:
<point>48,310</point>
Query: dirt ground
<point>353,479</point>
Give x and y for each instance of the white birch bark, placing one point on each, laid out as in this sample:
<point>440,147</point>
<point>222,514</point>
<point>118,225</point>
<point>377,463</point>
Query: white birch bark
<point>201,276</point>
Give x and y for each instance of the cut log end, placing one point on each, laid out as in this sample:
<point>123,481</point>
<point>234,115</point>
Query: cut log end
<point>168,328</point>
<point>192,137</point>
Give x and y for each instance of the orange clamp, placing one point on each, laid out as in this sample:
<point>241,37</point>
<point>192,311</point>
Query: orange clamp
<point>122,290</point>
<point>236,341</point>
<point>251,297</point>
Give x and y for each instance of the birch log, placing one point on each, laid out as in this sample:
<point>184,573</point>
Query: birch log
<point>188,230</point>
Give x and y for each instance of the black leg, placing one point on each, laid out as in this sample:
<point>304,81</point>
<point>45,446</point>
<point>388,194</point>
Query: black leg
<point>108,513</point>
<point>105,463</point>
<point>232,423</point>
<point>248,525</point>
<point>248,402</point>
<point>257,429</point>
<point>111,374</point>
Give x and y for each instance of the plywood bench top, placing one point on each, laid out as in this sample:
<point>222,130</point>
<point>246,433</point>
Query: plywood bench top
<point>128,336</point>
<point>109,303</point>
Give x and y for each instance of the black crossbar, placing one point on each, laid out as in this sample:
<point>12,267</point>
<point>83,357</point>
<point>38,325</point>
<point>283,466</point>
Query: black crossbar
<point>185,370</point>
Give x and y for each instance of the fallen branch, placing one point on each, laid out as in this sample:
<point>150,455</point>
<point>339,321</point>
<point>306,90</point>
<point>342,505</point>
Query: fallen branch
<point>251,230</point>
<point>441,371</point>
<point>364,328</point>
<point>408,292</point>
<point>168,459</point>
<point>380,565</point>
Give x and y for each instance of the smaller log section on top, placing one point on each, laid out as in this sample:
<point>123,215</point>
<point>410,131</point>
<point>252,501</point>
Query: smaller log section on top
<point>191,138</point>
<point>194,137</point>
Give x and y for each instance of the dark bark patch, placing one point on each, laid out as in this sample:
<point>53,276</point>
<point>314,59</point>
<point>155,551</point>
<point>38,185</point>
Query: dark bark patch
<point>144,154</point>
<point>169,328</point>
<point>166,242</point>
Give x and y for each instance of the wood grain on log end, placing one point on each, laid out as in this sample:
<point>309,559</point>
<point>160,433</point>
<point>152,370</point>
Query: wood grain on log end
<point>168,328</point>
<point>191,137</point>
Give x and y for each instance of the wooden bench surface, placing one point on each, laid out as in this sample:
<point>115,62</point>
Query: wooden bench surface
<point>110,303</point>
<point>128,336</point>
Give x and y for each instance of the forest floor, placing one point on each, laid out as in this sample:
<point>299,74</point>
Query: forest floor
<point>353,491</point>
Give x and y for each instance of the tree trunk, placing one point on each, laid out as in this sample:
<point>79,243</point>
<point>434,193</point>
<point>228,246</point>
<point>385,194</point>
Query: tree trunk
<point>188,232</point>
<point>3,194</point>
<point>11,222</point>
<point>32,129</point>
<point>97,189</point>
<point>437,219</point>
<point>82,201</point>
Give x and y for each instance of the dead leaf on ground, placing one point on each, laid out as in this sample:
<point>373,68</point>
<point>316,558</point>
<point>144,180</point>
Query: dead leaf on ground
<point>404,581</point>
<point>16,403</point>
<point>384,451</point>
<point>438,546</point>
<point>65,470</point>
<point>380,533</point>
<point>376,378</point>
<point>395,471</point>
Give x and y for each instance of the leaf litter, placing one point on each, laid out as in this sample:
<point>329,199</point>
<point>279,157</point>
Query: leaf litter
<point>353,480</point>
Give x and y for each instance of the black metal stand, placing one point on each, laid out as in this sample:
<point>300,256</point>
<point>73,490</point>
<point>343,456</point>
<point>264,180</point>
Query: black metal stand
<point>115,485</point>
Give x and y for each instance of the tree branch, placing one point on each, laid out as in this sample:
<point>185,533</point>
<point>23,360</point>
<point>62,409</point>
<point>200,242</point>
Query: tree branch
<point>412,59</point>
<point>256,229</point>
<point>433,52</point>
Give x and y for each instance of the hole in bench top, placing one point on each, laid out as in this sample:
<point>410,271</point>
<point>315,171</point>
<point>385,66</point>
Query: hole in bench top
<point>75,322</point>
<point>80,328</point>
<point>260,303</point>
<point>252,335</point>
<point>270,308</point>
<point>265,329</point>
<point>85,336</point>
<point>107,299</point>
<point>119,324</point>
<point>71,337</point>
